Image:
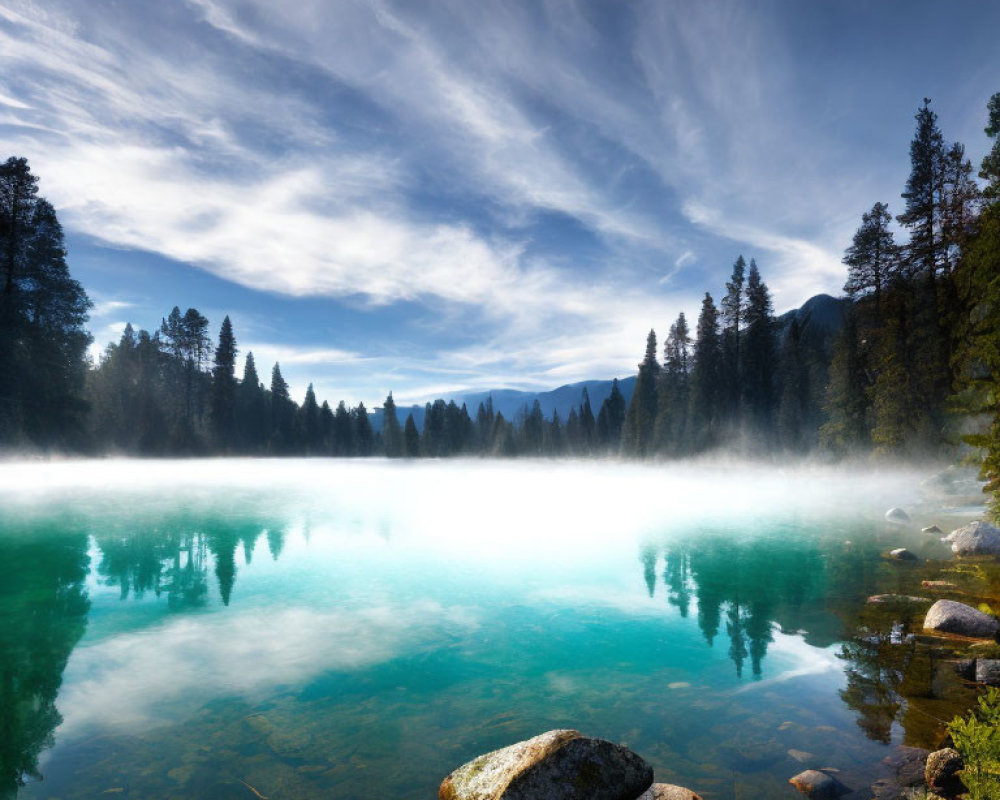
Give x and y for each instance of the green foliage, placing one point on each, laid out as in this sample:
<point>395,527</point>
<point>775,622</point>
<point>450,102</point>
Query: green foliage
<point>977,738</point>
<point>759,357</point>
<point>640,418</point>
<point>392,434</point>
<point>990,169</point>
<point>978,351</point>
<point>43,357</point>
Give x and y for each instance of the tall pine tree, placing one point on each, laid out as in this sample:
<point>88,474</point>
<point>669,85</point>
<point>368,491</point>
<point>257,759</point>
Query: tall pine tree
<point>224,388</point>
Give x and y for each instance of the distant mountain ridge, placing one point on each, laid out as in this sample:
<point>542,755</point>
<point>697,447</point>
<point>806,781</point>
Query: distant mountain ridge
<point>510,402</point>
<point>820,316</point>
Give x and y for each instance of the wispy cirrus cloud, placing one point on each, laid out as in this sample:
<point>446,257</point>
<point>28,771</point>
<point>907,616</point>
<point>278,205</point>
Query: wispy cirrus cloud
<point>499,186</point>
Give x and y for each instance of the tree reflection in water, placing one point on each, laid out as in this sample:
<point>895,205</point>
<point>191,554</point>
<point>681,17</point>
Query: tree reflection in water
<point>43,605</point>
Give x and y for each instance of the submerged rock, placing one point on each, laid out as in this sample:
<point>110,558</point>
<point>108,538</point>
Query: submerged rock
<point>557,765</point>
<point>949,616</point>
<point>988,671</point>
<point>975,539</point>
<point>934,529</point>
<point>942,771</point>
<point>941,585</point>
<point>882,599</point>
<point>901,554</point>
<point>801,756</point>
<point>818,785</point>
<point>668,791</point>
<point>897,516</point>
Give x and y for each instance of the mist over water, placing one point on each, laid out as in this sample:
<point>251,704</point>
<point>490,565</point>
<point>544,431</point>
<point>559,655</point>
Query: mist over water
<point>324,628</point>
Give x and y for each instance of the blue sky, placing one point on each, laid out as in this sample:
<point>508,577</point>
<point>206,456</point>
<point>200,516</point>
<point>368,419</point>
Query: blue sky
<point>431,197</point>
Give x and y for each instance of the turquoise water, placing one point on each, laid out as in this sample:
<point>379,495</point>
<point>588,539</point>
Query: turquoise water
<point>338,629</point>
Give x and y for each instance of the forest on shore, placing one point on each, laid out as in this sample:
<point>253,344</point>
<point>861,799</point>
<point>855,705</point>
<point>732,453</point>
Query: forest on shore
<point>913,366</point>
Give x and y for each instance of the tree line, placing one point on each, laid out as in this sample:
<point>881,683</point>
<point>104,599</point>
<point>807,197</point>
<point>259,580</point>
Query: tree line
<point>914,367</point>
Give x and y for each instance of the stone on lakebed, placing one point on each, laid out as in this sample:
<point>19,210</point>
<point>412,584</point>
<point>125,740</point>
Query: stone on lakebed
<point>898,599</point>
<point>557,765</point>
<point>668,791</point>
<point>949,616</point>
<point>975,539</point>
<point>902,554</point>
<point>818,785</point>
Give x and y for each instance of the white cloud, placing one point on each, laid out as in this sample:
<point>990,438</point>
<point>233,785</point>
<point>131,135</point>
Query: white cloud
<point>510,112</point>
<point>192,658</point>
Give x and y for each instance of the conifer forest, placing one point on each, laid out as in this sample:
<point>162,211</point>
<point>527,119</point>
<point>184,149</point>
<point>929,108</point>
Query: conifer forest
<point>907,365</point>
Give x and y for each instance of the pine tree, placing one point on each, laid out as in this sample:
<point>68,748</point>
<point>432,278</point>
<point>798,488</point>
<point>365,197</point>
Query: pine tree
<point>674,396</point>
<point>485,419</point>
<point>978,348</point>
<point>705,377</point>
<point>959,211</point>
<point>732,312</point>
<point>611,419</point>
<point>793,404</point>
<point>588,424</point>
<point>42,312</point>
<point>280,439</point>
<point>253,419</point>
<point>391,432</point>
<point>759,354</point>
<point>872,258</point>
<point>532,429</point>
<point>326,427</point>
<point>364,436</point>
<point>312,440</point>
<point>922,194</point>
<point>640,418</point>
<point>571,432</point>
<point>344,432</point>
<point>990,169</point>
<point>555,443</point>
<point>224,387</point>
<point>411,438</point>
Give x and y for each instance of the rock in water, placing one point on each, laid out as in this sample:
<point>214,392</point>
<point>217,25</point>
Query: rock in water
<point>557,765</point>
<point>988,671</point>
<point>902,554</point>
<point>942,771</point>
<point>897,599</point>
<point>975,539</point>
<point>897,516</point>
<point>818,785</point>
<point>949,616</point>
<point>667,791</point>
<point>943,585</point>
<point>931,529</point>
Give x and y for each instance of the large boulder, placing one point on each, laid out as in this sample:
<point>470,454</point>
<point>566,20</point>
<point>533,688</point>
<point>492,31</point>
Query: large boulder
<point>975,539</point>
<point>557,765</point>
<point>942,771</point>
<point>818,785</point>
<point>949,616</point>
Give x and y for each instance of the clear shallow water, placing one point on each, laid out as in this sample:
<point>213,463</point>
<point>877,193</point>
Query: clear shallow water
<point>337,629</point>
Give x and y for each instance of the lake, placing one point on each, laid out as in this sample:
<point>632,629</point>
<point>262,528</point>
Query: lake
<point>357,629</point>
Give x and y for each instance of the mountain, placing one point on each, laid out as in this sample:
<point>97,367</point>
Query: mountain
<point>510,402</point>
<point>821,318</point>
